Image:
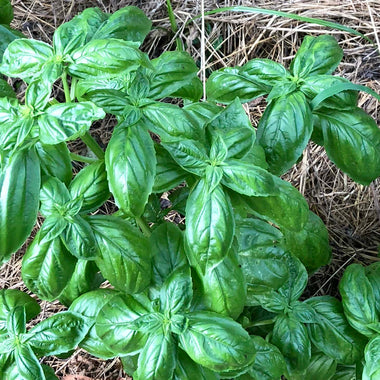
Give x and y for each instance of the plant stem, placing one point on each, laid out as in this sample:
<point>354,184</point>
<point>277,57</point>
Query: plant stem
<point>174,25</point>
<point>144,228</point>
<point>66,87</point>
<point>261,323</point>
<point>79,158</point>
<point>93,145</point>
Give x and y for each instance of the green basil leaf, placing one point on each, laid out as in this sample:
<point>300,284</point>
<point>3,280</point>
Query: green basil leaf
<point>52,228</point>
<point>19,187</point>
<point>49,372</point>
<point>27,364</point>
<point>317,55</point>
<point>284,131</point>
<point>372,273</point>
<point>16,322</point>
<point>24,58</point>
<point>320,367</point>
<point>187,369</point>
<point>37,94</point>
<point>216,342</point>
<point>64,122</point>
<point>6,90</point>
<point>128,23</point>
<point>58,334</point>
<point>372,359</point>
<point>47,268</point>
<point>78,31</point>
<point>248,179</point>
<point>55,161</point>
<point>84,279</point>
<point>288,209</point>
<point>11,299</point>
<point>167,251</point>
<point>114,320</point>
<point>314,85</point>
<point>210,226</point>
<point>6,12</point>
<point>358,299</point>
<point>283,88</point>
<point>157,360</point>
<point>291,337</point>
<point>174,73</point>
<point>171,123</point>
<point>189,154</point>
<point>311,244</point>
<point>267,298</point>
<point>53,196</point>
<point>124,258</point>
<point>303,312</point>
<point>224,287</point>
<point>131,164</point>
<point>352,142</point>
<point>177,292</point>
<point>168,173</point>
<point>91,184</point>
<point>79,239</point>
<point>269,363</point>
<point>235,129</point>
<point>248,82</point>
<point>104,56</point>
<point>9,112</point>
<point>332,334</point>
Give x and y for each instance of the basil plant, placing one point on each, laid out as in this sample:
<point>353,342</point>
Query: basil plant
<point>219,296</point>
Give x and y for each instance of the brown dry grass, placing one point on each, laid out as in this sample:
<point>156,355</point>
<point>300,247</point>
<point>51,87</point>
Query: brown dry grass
<point>351,211</point>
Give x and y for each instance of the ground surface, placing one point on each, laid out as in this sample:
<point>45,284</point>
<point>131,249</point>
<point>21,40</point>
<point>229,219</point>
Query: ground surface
<point>351,211</point>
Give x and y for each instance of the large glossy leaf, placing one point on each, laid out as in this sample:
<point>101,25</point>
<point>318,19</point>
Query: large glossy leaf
<point>27,364</point>
<point>53,196</point>
<point>311,244</point>
<point>128,23</point>
<point>124,258</point>
<point>85,277</point>
<point>372,360</point>
<point>210,226</point>
<point>248,82</point>
<point>37,94</point>
<point>106,56</point>
<point>313,85</point>
<point>320,367</point>
<point>187,369</point>
<point>332,333</point>
<point>55,161</point>
<point>168,173</point>
<point>131,165</point>
<point>167,251</point>
<point>68,121</point>
<point>224,287</point>
<point>284,131</point>
<point>248,179</point>
<point>89,306</point>
<point>47,268</point>
<point>24,58</point>
<point>358,300</point>
<point>91,184</point>
<point>58,334</point>
<point>19,189</point>
<point>174,73</point>
<point>269,363</point>
<point>78,31</point>
<point>372,273</point>
<point>317,55</point>
<point>216,342</point>
<point>113,323</point>
<point>352,142</point>
<point>157,360</point>
<point>287,210</point>
<point>291,337</point>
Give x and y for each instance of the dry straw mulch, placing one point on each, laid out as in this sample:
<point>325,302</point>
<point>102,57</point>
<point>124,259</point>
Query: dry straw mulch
<point>350,211</point>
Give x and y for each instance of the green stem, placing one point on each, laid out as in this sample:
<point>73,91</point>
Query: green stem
<point>260,323</point>
<point>144,228</point>
<point>174,25</point>
<point>66,87</point>
<point>93,145</point>
<point>79,158</point>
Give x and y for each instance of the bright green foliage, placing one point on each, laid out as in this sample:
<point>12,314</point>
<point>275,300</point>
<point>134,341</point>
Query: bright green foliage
<point>218,296</point>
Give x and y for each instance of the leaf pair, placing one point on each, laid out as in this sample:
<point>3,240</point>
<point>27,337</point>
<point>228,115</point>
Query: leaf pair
<point>20,349</point>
